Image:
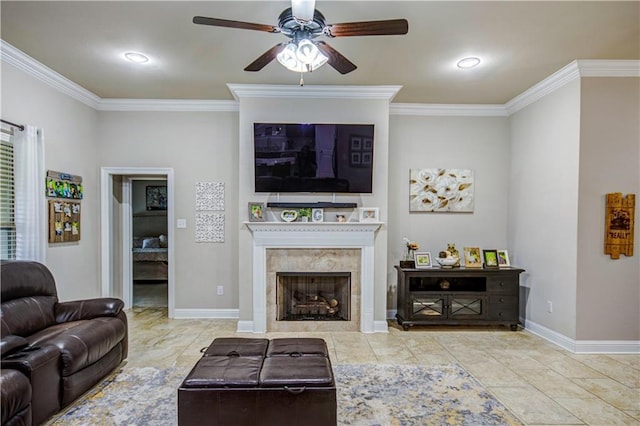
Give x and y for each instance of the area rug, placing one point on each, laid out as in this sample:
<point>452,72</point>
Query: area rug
<point>368,395</point>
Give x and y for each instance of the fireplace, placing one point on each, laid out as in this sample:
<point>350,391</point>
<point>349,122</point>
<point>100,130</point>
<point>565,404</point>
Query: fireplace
<point>313,296</point>
<point>313,247</point>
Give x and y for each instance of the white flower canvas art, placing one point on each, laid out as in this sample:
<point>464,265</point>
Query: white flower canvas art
<point>441,190</point>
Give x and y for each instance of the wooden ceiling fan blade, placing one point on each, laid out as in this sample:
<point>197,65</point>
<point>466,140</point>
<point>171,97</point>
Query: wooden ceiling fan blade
<point>216,22</point>
<point>265,58</point>
<point>335,58</point>
<point>368,28</point>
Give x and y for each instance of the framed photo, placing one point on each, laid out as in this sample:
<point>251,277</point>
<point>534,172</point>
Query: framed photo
<point>367,144</point>
<point>355,159</point>
<point>366,158</point>
<point>490,258</point>
<point>472,257</point>
<point>422,259</point>
<point>256,212</point>
<point>356,143</point>
<point>317,215</point>
<point>369,214</point>
<point>503,259</point>
<point>156,197</point>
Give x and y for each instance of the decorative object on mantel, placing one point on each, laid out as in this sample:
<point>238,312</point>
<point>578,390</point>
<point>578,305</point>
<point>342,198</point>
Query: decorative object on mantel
<point>472,257</point>
<point>409,257</point>
<point>289,215</point>
<point>449,258</point>
<point>256,212</point>
<point>304,214</point>
<point>317,215</point>
<point>441,190</point>
<point>209,227</point>
<point>209,196</point>
<point>369,214</point>
<point>490,258</point>
<point>620,214</point>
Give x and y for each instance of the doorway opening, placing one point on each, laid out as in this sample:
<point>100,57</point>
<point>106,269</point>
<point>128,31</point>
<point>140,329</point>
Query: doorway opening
<point>120,213</point>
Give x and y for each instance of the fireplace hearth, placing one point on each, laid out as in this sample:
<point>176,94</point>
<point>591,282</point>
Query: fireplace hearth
<point>313,296</point>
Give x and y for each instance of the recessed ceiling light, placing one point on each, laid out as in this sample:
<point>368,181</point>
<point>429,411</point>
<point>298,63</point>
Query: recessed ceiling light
<point>467,63</point>
<point>137,58</point>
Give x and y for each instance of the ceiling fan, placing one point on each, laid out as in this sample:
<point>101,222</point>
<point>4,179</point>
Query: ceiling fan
<point>302,23</point>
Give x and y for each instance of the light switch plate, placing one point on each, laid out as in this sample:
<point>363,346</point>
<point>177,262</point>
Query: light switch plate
<point>181,223</point>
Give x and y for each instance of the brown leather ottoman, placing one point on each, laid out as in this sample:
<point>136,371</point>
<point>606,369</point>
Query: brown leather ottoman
<point>260,382</point>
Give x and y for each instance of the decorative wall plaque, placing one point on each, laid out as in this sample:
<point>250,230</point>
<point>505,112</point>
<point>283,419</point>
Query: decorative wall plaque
<point>618,238</point>
<point>209,228</point>
<point>209,196</point>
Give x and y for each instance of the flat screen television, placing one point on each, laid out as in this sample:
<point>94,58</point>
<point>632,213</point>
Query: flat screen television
<point>301,157</point>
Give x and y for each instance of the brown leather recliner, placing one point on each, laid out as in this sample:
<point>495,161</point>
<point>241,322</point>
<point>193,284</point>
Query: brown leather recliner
<point>64,348</point>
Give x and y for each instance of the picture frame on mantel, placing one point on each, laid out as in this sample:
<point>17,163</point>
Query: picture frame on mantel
<point>256,212</point>
<point>369,214</point>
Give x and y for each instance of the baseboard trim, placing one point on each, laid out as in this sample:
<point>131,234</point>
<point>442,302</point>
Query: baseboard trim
<point>380,327</point>
<point>584,346</point>
<point>207,313</point>
<point>391,314</point>
<point>245,327</point>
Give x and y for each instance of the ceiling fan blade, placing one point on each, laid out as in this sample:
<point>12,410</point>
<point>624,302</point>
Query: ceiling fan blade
<point>336,60</point>
<point>203,20</point>
<point>265,58</point>
<point>367,28</point>
<point>303,10</point>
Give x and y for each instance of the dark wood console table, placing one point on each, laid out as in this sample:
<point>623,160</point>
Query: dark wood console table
<point>458,296</point>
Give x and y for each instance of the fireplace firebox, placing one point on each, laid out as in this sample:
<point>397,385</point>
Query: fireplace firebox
<point>313,296</point>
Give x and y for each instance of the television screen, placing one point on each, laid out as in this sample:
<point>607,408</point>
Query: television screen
<point>313,157</point>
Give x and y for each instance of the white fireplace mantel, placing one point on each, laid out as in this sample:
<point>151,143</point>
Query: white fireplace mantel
<point>267,235</point>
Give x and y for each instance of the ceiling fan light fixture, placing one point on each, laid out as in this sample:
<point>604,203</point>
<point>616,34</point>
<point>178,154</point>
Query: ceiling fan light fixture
<point>303,57</point>
<point>467,63</point>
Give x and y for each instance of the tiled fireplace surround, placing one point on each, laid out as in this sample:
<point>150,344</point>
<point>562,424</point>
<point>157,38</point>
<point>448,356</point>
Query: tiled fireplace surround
<point>312,247</point>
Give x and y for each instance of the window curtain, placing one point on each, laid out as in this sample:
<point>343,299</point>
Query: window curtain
<point>30,212</point>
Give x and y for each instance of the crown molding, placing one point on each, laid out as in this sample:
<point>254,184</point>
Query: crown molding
<point>440,110</point>
<point>240,91</point>
<point>170,105</point>
<point>27,64</point>
<point>576,69</point>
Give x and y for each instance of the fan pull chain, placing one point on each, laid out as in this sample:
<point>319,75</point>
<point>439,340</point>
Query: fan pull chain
<point>301,79</point>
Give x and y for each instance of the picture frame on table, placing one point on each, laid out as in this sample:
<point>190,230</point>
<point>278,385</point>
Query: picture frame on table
<point>472,257</point>
<point>490,258</point>
<point>422,259</point>
<point>369,214</point>
<point>256,212</point>
<point>503,259</point>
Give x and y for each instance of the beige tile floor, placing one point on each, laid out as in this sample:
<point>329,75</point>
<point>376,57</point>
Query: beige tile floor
<point>541,383</point>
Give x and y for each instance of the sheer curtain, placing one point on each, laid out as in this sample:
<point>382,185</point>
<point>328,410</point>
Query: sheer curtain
<point>30,212</point>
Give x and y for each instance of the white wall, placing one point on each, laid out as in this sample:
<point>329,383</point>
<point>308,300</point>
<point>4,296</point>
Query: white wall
<point>608,299</point>
<point>70,147</point>
<point>200,147</point>
<point>477,143</point>
<point>543,205</point>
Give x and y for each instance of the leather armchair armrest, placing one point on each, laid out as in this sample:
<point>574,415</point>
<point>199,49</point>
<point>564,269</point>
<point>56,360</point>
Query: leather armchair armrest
<point>87,309</point>
<point>12,343</point>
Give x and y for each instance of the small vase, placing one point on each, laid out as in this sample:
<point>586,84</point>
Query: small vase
<point>408,261</point>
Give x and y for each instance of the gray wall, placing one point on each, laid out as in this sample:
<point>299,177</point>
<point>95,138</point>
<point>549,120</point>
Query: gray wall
<point>608,293</point>
<point>543,205</point>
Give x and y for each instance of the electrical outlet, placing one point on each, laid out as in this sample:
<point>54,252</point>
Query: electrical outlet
<point>220,290</point>
<point>549,306</point>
